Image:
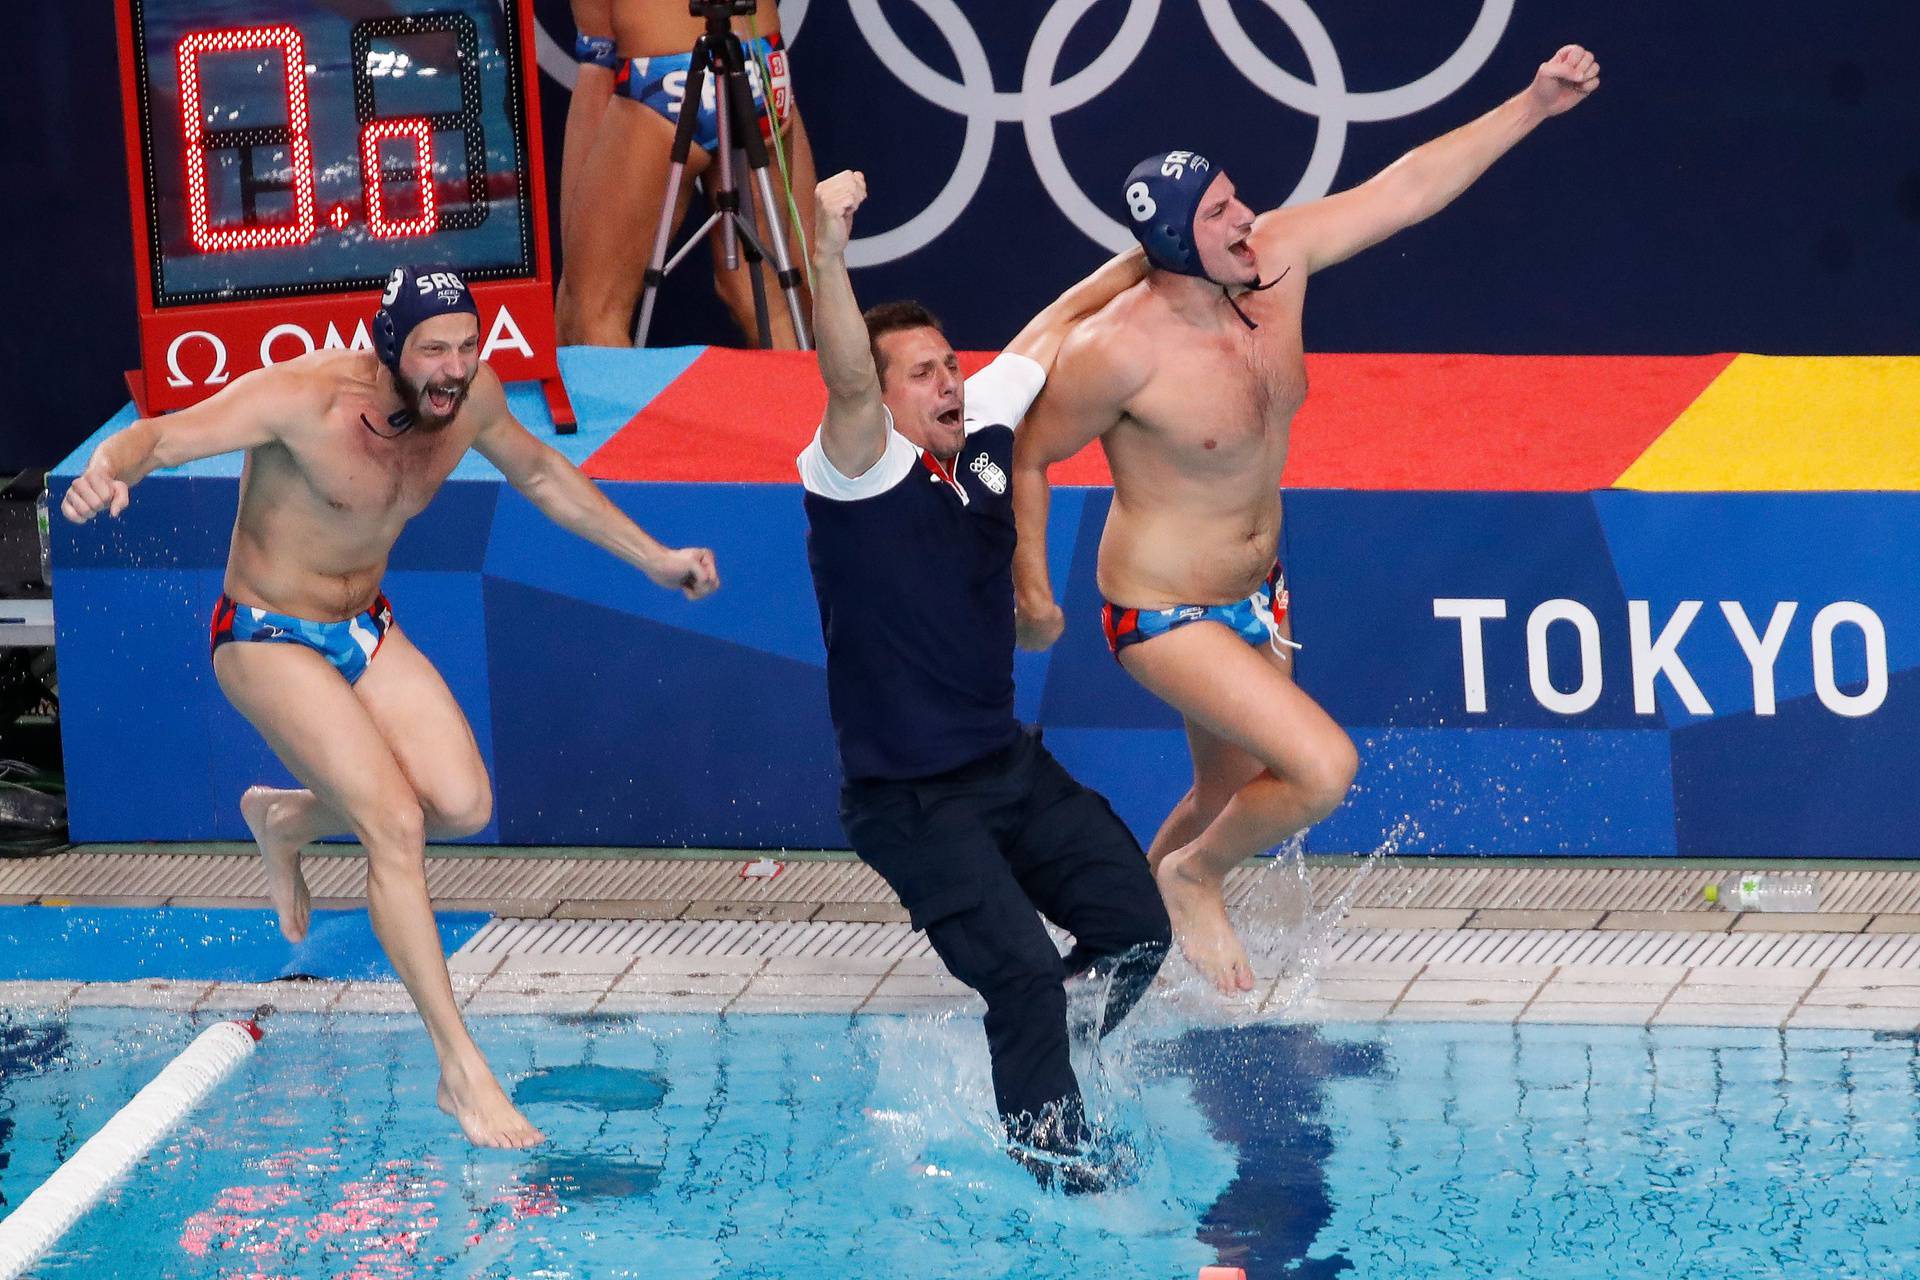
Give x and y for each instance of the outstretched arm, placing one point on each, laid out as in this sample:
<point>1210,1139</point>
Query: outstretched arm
<point>854,431</point>
<point>574,502</point>
<point>1092,380</point>
<point>1040,340</point>
<point>1005,389</point>
<point>1428,178</point>
<point>248,412</point>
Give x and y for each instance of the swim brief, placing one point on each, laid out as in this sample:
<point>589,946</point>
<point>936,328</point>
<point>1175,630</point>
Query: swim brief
<point>1257,619</point>
<point>348,645</point>
<point>660,82</point>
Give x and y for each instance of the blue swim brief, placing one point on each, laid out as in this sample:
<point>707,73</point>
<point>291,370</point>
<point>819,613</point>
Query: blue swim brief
<point>348,645</point>
<point>660,82</point>
<point>1257,619</point>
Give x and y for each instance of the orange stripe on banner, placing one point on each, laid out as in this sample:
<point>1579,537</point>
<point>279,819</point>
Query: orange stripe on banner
<point>740,416</point>
<point>1559,423</point>
<point>1563,423</point>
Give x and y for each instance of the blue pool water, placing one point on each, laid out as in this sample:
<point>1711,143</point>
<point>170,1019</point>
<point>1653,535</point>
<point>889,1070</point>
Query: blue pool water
<point>812,1147</point>
<point>211,944</point>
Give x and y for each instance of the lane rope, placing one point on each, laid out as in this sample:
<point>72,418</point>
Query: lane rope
<point>39,1221</point>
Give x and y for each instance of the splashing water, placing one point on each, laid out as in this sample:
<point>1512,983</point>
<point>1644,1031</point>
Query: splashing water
<point>1288,937</point>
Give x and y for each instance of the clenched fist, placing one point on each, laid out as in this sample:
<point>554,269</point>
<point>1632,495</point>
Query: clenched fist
<point>835,199</point>
<point>93,491</point>
<point>1038,623</point>
<point>689,570</point>
<point>1564,79</point>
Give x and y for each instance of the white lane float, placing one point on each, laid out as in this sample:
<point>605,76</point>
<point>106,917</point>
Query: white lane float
<point>77,1185</point>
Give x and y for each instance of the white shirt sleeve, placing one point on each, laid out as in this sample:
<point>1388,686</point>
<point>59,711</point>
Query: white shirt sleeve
<point>818,475</point>
<point>999,394</point>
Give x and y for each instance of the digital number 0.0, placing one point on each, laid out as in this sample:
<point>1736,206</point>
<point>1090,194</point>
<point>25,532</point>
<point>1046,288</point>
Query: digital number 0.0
<point>295,135</point>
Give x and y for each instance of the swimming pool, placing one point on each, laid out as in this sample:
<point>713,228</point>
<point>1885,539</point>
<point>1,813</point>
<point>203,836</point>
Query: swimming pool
<point>824,1146</point>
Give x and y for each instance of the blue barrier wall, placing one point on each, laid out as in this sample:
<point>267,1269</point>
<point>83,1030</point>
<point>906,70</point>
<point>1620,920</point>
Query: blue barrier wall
<point>614,713</point>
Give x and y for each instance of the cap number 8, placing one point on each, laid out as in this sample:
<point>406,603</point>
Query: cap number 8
<point>1139,203</point>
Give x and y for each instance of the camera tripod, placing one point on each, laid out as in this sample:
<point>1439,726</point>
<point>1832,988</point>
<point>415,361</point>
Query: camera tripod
<point>719,53</point>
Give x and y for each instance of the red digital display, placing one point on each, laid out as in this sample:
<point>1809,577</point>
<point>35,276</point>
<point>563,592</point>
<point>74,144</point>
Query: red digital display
<point>286,155</point>
<point>285,42</point>
<point>421,134</point>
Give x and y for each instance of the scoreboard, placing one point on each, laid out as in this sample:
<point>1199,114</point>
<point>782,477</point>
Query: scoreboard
<point>286,155</point>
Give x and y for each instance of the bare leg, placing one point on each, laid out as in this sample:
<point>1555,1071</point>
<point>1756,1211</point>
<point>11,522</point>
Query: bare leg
<point>283,823</point>
<point>1219,770</point>
<point>326,738</point>
<point>1244,698</point>
<point>433,744</point>
<point>592,91</point>
<point>619,196</point>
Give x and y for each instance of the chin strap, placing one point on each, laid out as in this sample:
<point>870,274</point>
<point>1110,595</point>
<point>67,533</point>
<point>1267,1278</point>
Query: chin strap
<point>1255,287</point>
<point>401,422</point>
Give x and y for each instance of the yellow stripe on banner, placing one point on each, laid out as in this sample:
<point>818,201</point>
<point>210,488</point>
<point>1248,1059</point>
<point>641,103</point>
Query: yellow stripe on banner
<point>1793,422</point>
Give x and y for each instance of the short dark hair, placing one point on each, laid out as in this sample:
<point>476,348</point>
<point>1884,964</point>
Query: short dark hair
<point>891,317</point>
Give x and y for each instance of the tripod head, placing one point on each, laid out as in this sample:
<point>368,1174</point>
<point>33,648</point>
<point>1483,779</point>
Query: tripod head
<point>717,12</point>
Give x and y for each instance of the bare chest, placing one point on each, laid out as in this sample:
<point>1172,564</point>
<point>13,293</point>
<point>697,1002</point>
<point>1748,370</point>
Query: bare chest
<point>1226,404</point>
<point>377,476</point>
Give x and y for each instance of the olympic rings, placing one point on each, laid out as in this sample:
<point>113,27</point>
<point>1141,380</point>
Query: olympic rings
<point>1040,100</point>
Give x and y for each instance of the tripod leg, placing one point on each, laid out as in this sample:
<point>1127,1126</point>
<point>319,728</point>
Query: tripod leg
<point>763,322</point>
<point>676,173</point>
<point>739,104</point>
<point>726,190</point>
<point>787,273</point>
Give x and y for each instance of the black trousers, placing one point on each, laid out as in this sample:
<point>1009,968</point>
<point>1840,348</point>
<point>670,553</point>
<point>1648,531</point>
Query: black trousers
<point>973,855</point>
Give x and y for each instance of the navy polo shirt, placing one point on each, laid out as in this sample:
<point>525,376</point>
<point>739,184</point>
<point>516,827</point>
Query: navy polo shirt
<point>913,571</point>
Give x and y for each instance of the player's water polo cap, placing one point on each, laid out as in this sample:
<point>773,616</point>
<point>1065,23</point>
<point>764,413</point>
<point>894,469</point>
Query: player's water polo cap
<point>415,295</point>
<point>1162,195</point>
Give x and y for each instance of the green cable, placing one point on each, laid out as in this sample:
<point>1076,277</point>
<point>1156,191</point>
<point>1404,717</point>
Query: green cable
<point>779,150</point>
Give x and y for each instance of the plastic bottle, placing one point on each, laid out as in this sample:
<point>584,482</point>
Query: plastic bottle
<point>46,532</point>
<point>1766,891</point>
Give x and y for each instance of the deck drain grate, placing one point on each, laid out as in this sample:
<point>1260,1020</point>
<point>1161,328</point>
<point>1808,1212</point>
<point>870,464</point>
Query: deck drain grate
<point>1495,947</point>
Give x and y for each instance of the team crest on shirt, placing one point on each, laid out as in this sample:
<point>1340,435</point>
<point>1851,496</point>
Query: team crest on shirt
<point>990,473</point>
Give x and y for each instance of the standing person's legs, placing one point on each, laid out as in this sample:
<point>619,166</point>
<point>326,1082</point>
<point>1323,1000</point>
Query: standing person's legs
<point>1246,698</point>
<point>620,193</point>
<point>592,90</point>
<point>1083,869</point>
<point>586,107</point>
<point>950,875</point>
<point>321,731</point>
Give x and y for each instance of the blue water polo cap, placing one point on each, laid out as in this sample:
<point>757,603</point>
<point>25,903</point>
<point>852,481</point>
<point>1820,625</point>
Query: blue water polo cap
<point>414,295</point>
<point>1161,197</point>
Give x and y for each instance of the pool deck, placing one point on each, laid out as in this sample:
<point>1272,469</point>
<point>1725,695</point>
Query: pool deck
<point>579,931</point>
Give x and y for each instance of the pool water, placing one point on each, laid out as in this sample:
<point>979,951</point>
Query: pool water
<point>806,1147</point>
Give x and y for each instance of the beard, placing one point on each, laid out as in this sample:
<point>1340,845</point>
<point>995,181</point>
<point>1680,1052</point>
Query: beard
<point>420,406</point>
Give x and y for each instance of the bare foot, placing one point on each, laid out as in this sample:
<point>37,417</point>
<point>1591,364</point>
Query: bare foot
<point>1200,924</point>
<point>285,883</point>
<point>488,1119</point>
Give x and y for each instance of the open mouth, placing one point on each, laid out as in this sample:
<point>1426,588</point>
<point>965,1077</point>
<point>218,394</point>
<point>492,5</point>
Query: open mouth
<point>951,418</point>
<point>442,400</point>
<point>1240,250</point>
